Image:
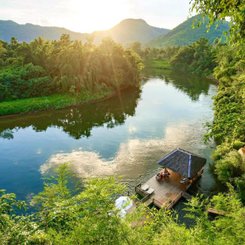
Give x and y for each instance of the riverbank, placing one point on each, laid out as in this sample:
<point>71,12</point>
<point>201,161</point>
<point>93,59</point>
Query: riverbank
<point>156,68</point>
<point>161,64</point>
<point>60,101</point>
<point>53,102</point>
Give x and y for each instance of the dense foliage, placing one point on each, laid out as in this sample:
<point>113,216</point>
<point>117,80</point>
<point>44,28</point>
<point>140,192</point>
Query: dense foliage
<point>220,10</point>
<point>64,66</point>
<point>228,127</point>
<point>196,58</point>
<point>65,216</point>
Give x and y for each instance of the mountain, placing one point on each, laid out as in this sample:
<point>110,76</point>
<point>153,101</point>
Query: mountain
<point>28,32</point>
<point>185,34</point>
<point>127,31</point>
<point>131,30</point>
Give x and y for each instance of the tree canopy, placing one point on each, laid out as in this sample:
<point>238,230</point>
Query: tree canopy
<point>44,67</point>
<point>88,216</point>
<point>233,10</point>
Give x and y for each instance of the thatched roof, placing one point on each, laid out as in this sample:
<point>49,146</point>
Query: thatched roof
<point>183,162</point>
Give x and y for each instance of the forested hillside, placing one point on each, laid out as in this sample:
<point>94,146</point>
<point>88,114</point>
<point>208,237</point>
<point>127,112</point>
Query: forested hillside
<point>125,32</point>
<point>185,33</point>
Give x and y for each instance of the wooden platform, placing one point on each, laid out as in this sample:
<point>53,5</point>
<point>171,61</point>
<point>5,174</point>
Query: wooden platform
<point>164,193</point>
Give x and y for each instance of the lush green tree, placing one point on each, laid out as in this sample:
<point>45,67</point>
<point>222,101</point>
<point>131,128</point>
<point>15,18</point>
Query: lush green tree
<point>222,9</point>
<point>46,67</point>
<point>23,82</point>
<point>90,217</point>
<point>198,57</point>
<point>2,53</point>
<point>137,48</point>
<point>227,128</point>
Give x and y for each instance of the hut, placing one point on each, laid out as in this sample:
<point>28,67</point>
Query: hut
<point>181,169</point>
<point>185,163</point>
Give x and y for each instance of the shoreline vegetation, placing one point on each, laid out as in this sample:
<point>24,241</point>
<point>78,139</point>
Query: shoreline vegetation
<point>62,101</point>
<point>54,102</point>
<point>156,66</point>
<point>68,211</point>
<point>43,75</point>
<point>225,64</point>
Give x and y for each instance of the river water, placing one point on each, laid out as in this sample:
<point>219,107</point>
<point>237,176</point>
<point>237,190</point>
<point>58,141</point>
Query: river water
<point>123,136</point>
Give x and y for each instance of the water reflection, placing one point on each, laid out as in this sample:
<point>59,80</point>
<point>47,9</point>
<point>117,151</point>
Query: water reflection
<point>133,156</point>
<point>7,134</point>
<point>188,83</point>
<point>77,121</point>
<point>192,85</point>
<point>136,159</point>
<point>122,136</point>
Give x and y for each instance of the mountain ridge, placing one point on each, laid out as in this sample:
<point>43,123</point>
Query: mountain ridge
<point>28,32</point>
<point>132,30</point>
<point>185,34</point>
<point>126,31</point>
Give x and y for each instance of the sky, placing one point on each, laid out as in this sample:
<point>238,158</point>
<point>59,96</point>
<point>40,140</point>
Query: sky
<point>93,15</point>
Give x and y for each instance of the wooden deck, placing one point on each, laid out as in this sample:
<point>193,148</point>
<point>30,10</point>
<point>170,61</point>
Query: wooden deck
<point>164,193</point>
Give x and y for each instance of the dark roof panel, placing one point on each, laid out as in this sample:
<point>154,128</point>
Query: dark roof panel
<point>183,162</point>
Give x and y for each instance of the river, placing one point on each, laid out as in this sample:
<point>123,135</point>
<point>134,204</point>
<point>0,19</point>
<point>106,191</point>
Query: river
<point>123,136</point>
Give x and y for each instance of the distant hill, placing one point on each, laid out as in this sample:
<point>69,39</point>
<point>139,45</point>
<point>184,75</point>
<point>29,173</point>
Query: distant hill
<point>127,31</point>
<point>185,34</point>
<point>131,30</point>
<point>28,32</point>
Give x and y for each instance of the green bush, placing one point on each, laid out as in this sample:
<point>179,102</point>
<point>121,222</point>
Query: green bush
<point>89,216</point>
<point>229,166</point>
<point>198,58</point>
<point>24,82</point>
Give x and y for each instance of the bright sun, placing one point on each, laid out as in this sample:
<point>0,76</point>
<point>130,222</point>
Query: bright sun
<point>91,15</point>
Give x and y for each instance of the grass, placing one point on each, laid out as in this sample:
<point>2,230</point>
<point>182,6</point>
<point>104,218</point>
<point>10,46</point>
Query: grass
<point>48,102</point>
<point>156,67</point>
<point>59,101</point>
<point>162,64</point>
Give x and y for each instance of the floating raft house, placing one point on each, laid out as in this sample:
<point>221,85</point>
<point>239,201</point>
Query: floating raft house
<point>164,190</point>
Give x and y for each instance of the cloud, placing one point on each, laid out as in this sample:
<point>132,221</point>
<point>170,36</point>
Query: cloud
<point>135,158</point>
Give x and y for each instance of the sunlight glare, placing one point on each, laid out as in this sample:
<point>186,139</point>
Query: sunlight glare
<point>97,15</point>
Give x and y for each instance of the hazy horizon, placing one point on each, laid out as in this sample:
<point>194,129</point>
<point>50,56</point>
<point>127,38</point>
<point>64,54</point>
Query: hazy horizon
<point>93,30</point>
<point>95,15</point>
